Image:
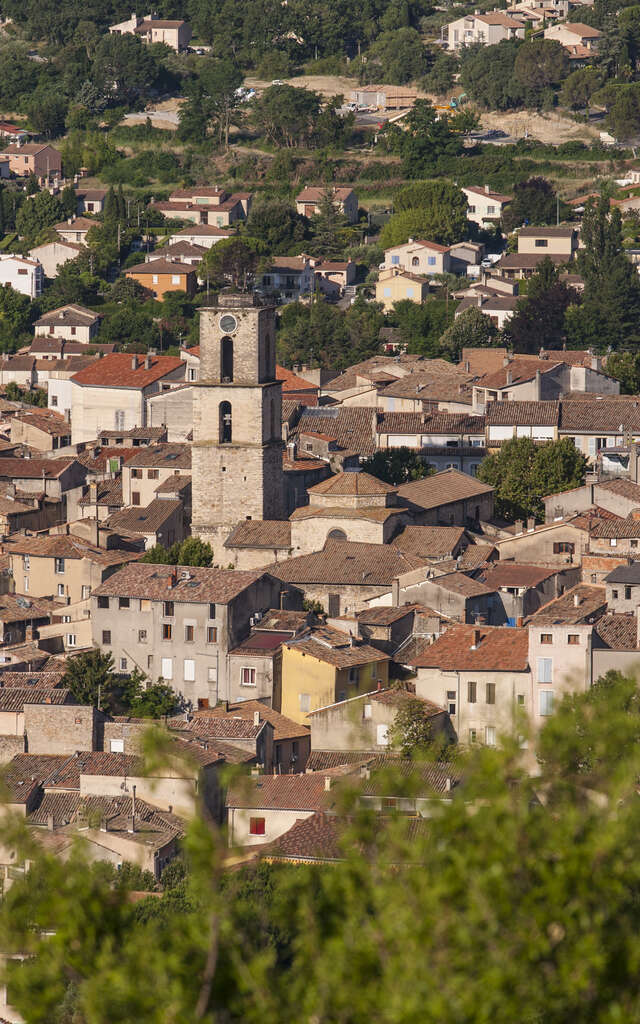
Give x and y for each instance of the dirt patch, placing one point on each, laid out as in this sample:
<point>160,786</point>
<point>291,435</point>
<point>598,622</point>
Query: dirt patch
<point>328,85</point>
<point>550,129</point>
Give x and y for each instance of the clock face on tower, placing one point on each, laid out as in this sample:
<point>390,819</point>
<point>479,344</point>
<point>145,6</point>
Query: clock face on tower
<point>228,323</point>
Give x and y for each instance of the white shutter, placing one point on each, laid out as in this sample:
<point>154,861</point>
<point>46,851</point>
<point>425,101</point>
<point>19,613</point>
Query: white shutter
<point>382,735</point>
<point>167,668</point>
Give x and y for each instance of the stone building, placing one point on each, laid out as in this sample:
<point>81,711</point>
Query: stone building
<point>237,443</point>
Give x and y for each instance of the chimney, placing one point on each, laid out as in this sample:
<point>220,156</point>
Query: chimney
<point>256,718</point>
<point>595,363</point>
<point>576,600</point>
<point>519,622</point>
<point>519,526</point>
<point>447,785</point>
<point>538,386</point>
<point>506,361</point>
<point>487,189</point>
<point>172,579</point>
<point>134,362</point>
<point>467,367</point>
<point>509,378</point>
<point>479,300</point>
<point>327,783</point>
<point>531,524</point>
<point>476,640</point>
<point>50,822</point>
<point>133,809</point>
<point>147,362</point>
<point>93,492</point>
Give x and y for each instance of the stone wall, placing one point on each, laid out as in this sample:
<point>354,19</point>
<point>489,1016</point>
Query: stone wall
<point>62,728</point>
<point>10,746</point>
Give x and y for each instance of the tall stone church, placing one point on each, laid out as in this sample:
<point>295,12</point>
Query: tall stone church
<point>237,422</point>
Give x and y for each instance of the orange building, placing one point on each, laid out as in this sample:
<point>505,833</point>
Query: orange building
<point>33,158</point>
<point>162,276</point>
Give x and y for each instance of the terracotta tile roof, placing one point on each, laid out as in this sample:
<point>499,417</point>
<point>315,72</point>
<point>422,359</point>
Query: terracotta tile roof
<point>477,649</point>
<point>553,231</point>
<point>205,753</point>
<point>385,616</point>
<point>291,382</point>
<point>66,808</point>
<point>352,427</point>
<point>260,533</point>
<point>476,555</point>
<point>16,608</point>
<point>429,541</point>
<point>109,492</point>
<point>615,527</point>
<point>175,484</point>
<point>76,224</point>
<point>515,574</point>
<point>592,603</point>
<point>349,563</point>
<point>496,196</point>
<point>618,632</point>
<point>161,266</point>
<point>71,315</point>
<point>28,148</point>
<point>371,514</point>
<point>229,727</point>
<point>334,648</point>
<point>459,583</point>
<point>582,30</point>
<point>116,371</point>
<point>498,18</point>
<point>26,772</point>
<point>325,760</point>
<point>623,489</point>
<point>198,191</point>
<point>145,520</point>
<point>523,413</point>
<point>520,370</point>
<point>14,698</point>
<point>182,248</point>
<point>312,839</point>
<point>67,775</point>
<point>352,484</point>
<point>607,414</point>
<point>280,792</point>
<point>67,546</point>
<point>38,680</point>
<point>315,193</point>
<point>442,489</point>
<point>53,424</point>
<point>283,728</point>
<point>194,585</point>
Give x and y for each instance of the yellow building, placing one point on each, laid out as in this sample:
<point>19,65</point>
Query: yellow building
<point>325,666</point>
<point>395,284</point>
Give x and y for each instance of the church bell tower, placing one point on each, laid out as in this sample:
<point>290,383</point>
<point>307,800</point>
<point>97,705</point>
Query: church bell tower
<point>237,421</point>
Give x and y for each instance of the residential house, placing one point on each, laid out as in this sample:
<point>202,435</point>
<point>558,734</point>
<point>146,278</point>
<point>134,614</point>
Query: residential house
<point>60,480</point>
<point>499,308</point>
<point>575,34</point>
<point>75,229</point>
<point>554,543</point>
<point>162,276</point>
<point>36,158</point>
<point>257,659</point>
<point>345,200</point>
<point>152,29</point>
<point>212,196</point>
<point>152,465</point>
<point>447,440</point>
<point>522,589</point>
<point>559,244</point>
<point>257,543</point>
<point>116,389</point>
<point>43,429</point>
<point>91,200</point>
<point>484,29</point>
<point>449,498</point>
<point>363,723</point>
<point>179,252</point>
<point>204,235</point>
<point>481,676</point>
<point>53,255</point>
<point>25,275</point>
<point>623,589</point>
<point>162,521</point>
<point>605,422</point>
<point>251,737</point>
<point>485,207</point>
<point>396,285</point>
<point>185,623</point>
<point>288,277</point>
<point>69,322</point>
<point>508,419</point>
<point>419,257</point>
<point>261,809</point>
<point>324,665</point>
<point>20,370</point>
<point>456,595</point>
<point>333,277</point>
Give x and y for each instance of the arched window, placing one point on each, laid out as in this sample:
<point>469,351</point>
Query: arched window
<point>226,360</point>
<point>224,428</point>
<point>336,535</point>
<point>415,262</point>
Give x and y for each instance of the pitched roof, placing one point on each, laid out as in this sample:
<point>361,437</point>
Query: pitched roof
<point>609,414</point>
<point>622,489</point>
<point>67,775</point>
<point>260,533</point>
<point>353,427</point>
<point>582,604</point>
<point>428,423</point>
<point>517,372</point>
<point>532,414</point>
<point>48,680</point>
<point>117,371</point>
<point>459,583</point>
<point>192,584</point>
<point>67,546</point>
<point>478,649</point>
<point>352,484</point>
<point>291,382</point>
<point>429,541</point>
<point>30,148</point>
<point>495,196</point>
<point>618,632</point>
<point>14,698</point>
<point>310,839</point>
<point>442,489</point>
<point>315,193</point>
<point>333,647</point>
<point>76,224</point>
<point>582,30</point>
<point>280,792</point>
<point>349,563</point>
<point>145,520</point>
<point>171,455</point>
<point>161,266</point>
<point>71,315</point>
<point>109,492</point>
<point>283,728</point>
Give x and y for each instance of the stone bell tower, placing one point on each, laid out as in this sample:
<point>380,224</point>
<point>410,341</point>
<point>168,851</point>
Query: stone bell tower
<point>237,421</point>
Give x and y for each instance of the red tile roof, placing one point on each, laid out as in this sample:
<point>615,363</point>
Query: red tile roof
<point>116,371</point>
<point>477,649</point>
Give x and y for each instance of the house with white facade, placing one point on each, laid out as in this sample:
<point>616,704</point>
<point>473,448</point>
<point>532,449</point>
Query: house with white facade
<point>486,29</point>
<point>485,207</point>
<point>23,274</point>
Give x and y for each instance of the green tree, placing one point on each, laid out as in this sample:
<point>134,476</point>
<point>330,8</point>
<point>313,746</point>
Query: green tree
<point>471,329</point>
<point>397,466</point>
<point>539,64</point>
<point>90,678</point>
<point>579,87</point>
<point>534,202</point>
<point>487,74</point>
<point>625,367</point>
<point>213,101</point>
<point>233,260</point>
<point>425,136</point>
<point>397,57</point>
<point>438,212</point>
<point>411,733</point>
<point>286,115</point>
<point>123,69</point>
<point>40,212</point>
<point>329,228</point>
<point>191,551</point>
<point>522,473</point>
<point>276,225</point>
<point>539,318</point>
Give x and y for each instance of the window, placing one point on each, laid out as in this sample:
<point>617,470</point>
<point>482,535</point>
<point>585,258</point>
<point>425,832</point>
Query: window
<point>212,674</point>
<point>149,661</point>
<point>167,668</point>
<point>382,735</point>
<point>614,595</point>
<point>247,677</point>
<point>374,670</point>
<point>61,590</point>
<point>546,638</point>
<point>59,567</point>
<point>212,611</point>
<point>353,675</point>
<point>627,593</point>
<point>541,243</point>
<point>226,360</point>
<point>26,563</point>
<point>189,670</point>
<point>225,432</point>
<point>175,279</point>
<point>490,735</point>
<point>123,602</point>
<point>212,635</point>
<point>123,664</point>
<point>106,636</point>
<point>135,497</point>
<point>472,209</point>
<point>136,474</point>
<point>573,639</point>
<point>119,419</point>
<point>451,701</point>
<point>71,639</point>
<point>473,735</point>
<point>154,278</point>
<point>545,670</point>
<point>103,602</point>
<point>546,702</point>
<point>634,543</point>
<point>86,591</point>
<point>25,584</point>
<point>563,547</point>
<point>521,700</point>
<point>491,693</point>
<point>395,260</point>
<point>367,711</point>
<point>189,634</point>
<point>142,636</point>
<point>472,692</point>
<point>256,826</point>
<point>167,609</point>
<point>54,401</point>
<point>153,474</point>
<point>613,542</point>
<point>304,702</point>
<point>167,631</point>
<point>491,209</point>
<point>116,746</point>
<point>431,261</point>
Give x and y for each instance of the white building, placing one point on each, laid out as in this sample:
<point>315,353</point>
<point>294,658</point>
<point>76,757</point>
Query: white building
<point>486,29</point>
<point>24,275</point>
<point>484,206</point>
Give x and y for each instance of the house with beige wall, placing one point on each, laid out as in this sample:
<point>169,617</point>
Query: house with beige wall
<point>152,466</point>
<point>364,722</point>
<point>484,29</point>
<point>345,200</point>
<point>485,206</point>
<point>53,255</point>
<point>419,257</point>
<point>70,322</point>
<point>396,285</point>
<point>261,809</point>
<point>572,34</point>
<point>548,241</point>
<point>151,29</point>
<point>36,158</point>
<point>162,276</point>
